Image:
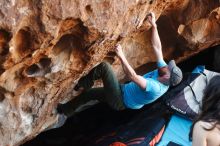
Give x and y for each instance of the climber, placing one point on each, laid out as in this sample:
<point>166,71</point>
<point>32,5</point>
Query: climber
<point>134,95</point>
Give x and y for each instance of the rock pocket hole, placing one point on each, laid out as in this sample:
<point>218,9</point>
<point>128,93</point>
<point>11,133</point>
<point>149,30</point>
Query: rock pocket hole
<point>40,68</point>
<point>67,43</point>
<point>23,40</point>
<point>89,9</point>
<point>70,49</point>
<point>4,39</point>
<point>26,108</point>
<point>22,43</point>
<point>2,95</point>
<point>45,62</point>
<point>110,57</point>
<point>72,46</point>
<point>32,69</point>
<point>82,36</point>
<point>62,51</point>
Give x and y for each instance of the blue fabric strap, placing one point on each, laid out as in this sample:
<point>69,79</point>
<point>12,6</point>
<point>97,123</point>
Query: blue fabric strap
<point>161,63</point>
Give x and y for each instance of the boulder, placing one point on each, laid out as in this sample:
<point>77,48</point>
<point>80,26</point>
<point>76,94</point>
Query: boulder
<point>47,46</point>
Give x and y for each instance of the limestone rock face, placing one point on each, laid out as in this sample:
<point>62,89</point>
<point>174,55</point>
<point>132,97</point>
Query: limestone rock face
<point>47,45</point>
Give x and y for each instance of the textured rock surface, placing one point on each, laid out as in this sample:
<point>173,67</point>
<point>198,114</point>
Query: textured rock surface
<point>46,46</point>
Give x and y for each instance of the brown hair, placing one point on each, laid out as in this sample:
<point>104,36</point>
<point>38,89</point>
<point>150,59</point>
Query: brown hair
<point>163,71</point>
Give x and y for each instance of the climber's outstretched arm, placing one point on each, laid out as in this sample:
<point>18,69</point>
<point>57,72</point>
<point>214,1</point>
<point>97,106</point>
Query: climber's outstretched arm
<point>129,71</point>
<point>155,39</point>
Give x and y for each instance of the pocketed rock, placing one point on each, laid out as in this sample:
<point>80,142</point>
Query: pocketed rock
<point>47,46</point>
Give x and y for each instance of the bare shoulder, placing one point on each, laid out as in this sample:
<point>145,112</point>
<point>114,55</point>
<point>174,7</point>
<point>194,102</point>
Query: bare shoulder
<point>199,128</point>
<point>202,124</point>
<point>199,134</point>
<point>207,125</point>
<point>210,137</point>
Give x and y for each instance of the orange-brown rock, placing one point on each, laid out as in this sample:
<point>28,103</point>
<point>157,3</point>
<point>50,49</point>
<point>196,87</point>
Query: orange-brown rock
<point>46,46</point>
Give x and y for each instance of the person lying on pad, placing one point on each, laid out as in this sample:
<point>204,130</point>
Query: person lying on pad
<point>134,95</point>
<point>206,128</point>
